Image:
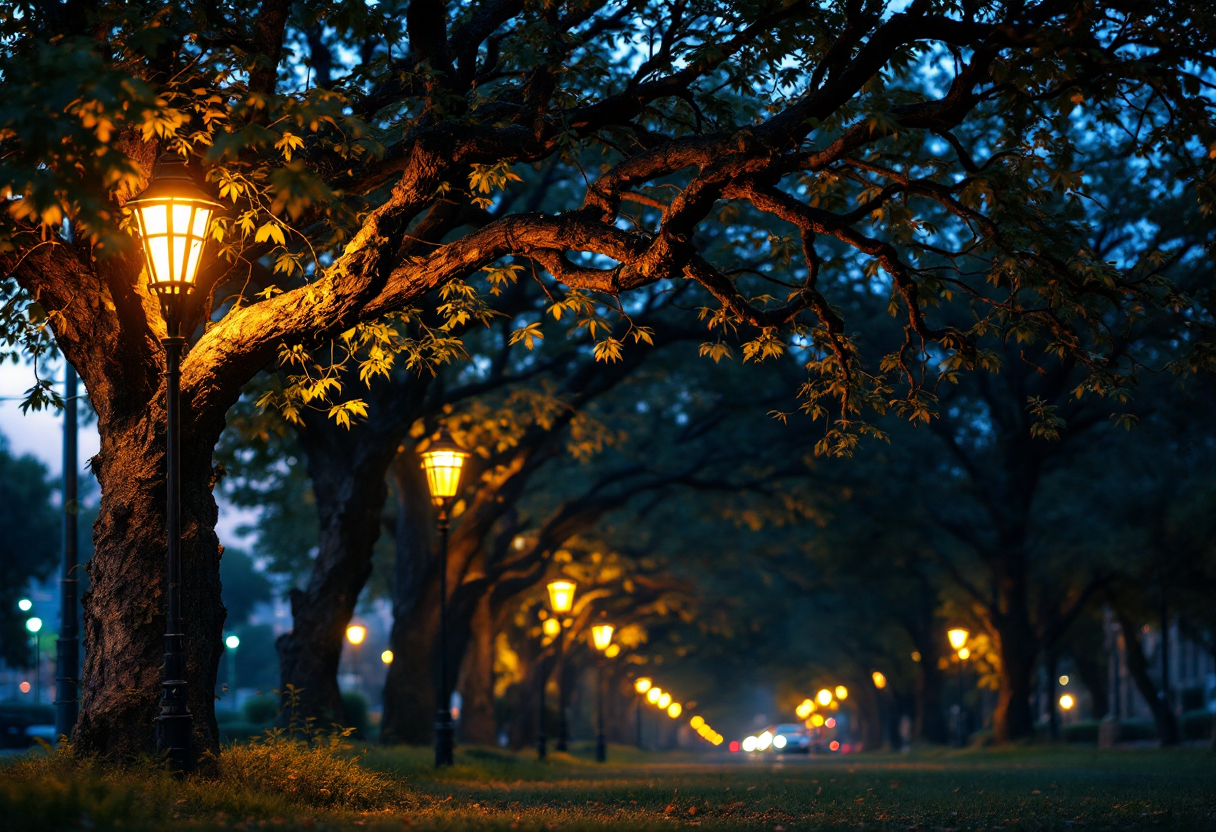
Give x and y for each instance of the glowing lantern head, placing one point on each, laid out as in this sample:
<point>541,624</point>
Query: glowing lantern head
<point>443,460</point>
<point>653,695</point>
<point>561,595</point>
<point>642,685</point>
<point>1067,702</point>
<point>842,692</point>
<point>173,215</point>
<point>601,634</point>
<point>355,634</point>
<point>824,696</point>
<point>387,657</point>
<point>880,681</point>
<point>958,637</point>
<point>674,710</point>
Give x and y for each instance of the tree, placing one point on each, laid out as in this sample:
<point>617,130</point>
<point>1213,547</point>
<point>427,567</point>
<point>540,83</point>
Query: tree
<point>771,117</point>
<point>28,551</point>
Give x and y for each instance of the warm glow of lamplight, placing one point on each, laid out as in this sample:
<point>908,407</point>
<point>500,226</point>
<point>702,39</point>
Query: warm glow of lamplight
<point>964,653</point>
<point>601,634</point>
<point>1067,701</point>
<point>561,595</point>
<point>674,710</point>
<point>824,696</point>
<point>1063,680</point>
<point>387,657</point>
<point>642,685</point>
<point>25,605</point>
<point>355,634</point>
<point>958,637</point>
<point>816,720</point>
<point>696,722</point>
<point>842,692</point>
<point>805,709</point>
<point>613,651</point>
<point>664,700</point>
<point>652,695</point>
<point>551,627</point>
<point>232,642</point>
<point>880,681</point>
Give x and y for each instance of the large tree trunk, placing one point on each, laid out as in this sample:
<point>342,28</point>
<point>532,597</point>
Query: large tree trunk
<point>409,695</point>
<point>124,608</point>
<point>478,725</point>
<point>1017,647</point>
<point>347,468</point>
<point>930,722</point>
<point>1137,667</point>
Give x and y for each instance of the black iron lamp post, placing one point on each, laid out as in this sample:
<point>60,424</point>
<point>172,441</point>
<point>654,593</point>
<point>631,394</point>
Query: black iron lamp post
<point>561,599</point>
<point>958,640</point>
<point>443,461</point>
<point>67,649</point>
<point>601,635</point>
<point>173,214</point>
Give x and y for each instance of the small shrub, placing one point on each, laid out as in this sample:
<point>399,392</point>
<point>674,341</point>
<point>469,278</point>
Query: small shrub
<point>1132,730</point>
<point>1196,725</point>
<point>1086,731</point>
<point>354,706</point>
<point>261,710</point>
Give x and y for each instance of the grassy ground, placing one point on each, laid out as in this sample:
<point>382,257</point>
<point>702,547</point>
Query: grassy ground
<point>395,789</point>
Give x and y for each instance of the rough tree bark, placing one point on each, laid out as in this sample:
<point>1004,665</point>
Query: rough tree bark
<point>478,723</point>
<point>347,469</point>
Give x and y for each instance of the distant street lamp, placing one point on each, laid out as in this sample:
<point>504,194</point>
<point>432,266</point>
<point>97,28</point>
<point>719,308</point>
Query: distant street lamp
<point>34,625</point>
<point>561,600</point>
<point>601,635</point>
<point>25,605</point>
<point>958,640</point>
<point>641,685</point>
<point>443,460</point>
<point>173,215</point>
<point>232,642</point>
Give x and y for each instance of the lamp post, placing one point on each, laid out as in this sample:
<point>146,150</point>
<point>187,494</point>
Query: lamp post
<point>958,640</point>
<point>601,635</point>
<point>34,625</point>
<point>443,461</point>
<point>642,685</point>
<point>173,215</point>
<point>231,643</point>
<point>561,599</point>
<point>67,650</point>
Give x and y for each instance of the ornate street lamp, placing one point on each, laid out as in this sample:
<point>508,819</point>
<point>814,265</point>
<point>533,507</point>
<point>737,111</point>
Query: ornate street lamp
<point>443,461</point>
<point>601,636</point>
<point>561,600</point>
<point>173,215</point>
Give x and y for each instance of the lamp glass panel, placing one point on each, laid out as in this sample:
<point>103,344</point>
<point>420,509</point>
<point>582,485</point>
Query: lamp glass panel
<point>602,633</point>
<point>561,595</point>
<point>443,472</point>
<point>958,637</point>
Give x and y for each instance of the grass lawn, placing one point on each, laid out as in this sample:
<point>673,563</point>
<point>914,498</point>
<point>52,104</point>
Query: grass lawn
<point>392,789</point>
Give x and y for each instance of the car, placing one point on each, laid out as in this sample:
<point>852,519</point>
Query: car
<point>791,739</point>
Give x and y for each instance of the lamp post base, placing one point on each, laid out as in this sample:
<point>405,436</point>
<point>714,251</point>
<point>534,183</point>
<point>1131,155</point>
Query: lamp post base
<point>445,735</point>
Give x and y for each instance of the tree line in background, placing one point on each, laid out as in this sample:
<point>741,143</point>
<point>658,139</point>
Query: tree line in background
<point>964,248</point>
